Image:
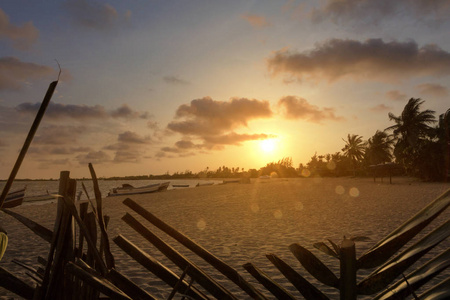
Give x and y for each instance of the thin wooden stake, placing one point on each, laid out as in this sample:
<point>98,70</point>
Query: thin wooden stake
<point>28,140</point>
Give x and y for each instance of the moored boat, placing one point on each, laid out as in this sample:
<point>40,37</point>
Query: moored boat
<point>42,197</point>
<point>128,189</point>
<point>14,199</point>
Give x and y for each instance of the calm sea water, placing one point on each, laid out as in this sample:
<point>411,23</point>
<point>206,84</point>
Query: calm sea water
<point>34,188</point>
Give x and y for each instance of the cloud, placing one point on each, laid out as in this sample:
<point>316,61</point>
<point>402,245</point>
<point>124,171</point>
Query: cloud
<point>235,138</point>
<point>380,108</point>
<point>94,14</point>
<point>431,89</point>
<point>373,59</point>
<point>175,80</point>
<point>374,12</point>
<point>94,157</point>
<point>59,135</point>
<point>15,73</point>
<point>58,111</point>
<point>129,147</point>
<point>293,107</point>
<point>133,138</point>
<point>396,95</point>
<point>256,21</point>
<point>207,116</point>
<point>126,112</point>
<point>22,37</point>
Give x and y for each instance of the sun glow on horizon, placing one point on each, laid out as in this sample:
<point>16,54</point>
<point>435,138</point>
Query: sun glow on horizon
<point>268,146</point>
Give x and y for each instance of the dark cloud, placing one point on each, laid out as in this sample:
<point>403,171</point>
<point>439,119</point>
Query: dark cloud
<point>380,108</point>
<point>374,12</point>
<point>94,14</point>
<point>94,157</point>
<point>212,123</point>
<point>293,107</point>
<point>22,37</point>
<point>15,73</point>
<point>207,116</point>
<point>431,89</point>
<point>396,95</point>
<point>129,147</point>
<point>256,21</point>
<point>133,138</point>
<point>81,111</point>
<point>127,113</point>
<point>372,59</point>
<point>175,80</point>
<point>60,111</point>
<point>59,135</point>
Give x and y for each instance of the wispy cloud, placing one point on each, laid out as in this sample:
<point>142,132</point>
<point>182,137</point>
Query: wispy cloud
<point>380,108</point>
<point>374,12</point>
<point>127,113</point>
<point>94,157</point>
<point>22,37</point>
<point>94,14</point>
<point>396,95</point>
<point>15,73</point>
<point>293,107</point>
<point>175,80</point>
<point>256,21</point>
<point>130,147</point>
<point>59,135</point>
<point>373,59</point>
<point>431,89</point>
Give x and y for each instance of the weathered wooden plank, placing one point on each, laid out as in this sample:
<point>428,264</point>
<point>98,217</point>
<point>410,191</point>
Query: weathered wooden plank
<point>39,230</point>
<point>278,291</point>
<point>214,261</point>
<point>154,266</point>
<point>128,286</point>
<point>15,285</point>
<point>195,272</point>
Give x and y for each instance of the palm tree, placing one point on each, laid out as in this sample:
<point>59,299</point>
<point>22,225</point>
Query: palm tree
<point>410,127</point>
<point>379,148</point>
<point>354,149</point>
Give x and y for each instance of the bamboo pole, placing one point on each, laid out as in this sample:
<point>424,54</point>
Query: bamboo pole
<point>348,270</point>
<point>28,140</point>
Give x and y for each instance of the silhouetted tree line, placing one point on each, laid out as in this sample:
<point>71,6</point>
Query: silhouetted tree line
<point>413,144</point>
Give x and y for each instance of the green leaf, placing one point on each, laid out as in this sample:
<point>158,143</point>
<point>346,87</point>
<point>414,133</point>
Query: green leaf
<point>3,244</point>
<point>308,291</point>
<point>387,247</point>
<point>325,249</point>
<point>314,266</point>
<point>417,278</point>
<point>381,277</point>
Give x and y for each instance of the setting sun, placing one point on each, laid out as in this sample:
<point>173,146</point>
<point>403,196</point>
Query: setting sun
<point>268,145</point>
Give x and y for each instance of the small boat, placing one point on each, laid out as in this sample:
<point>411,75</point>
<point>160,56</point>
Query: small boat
<point>128,189</point>
<point>42,197</point>
<point>14,199</point>
<point>180,185</point>
<point>231,181</point>
<point>204,183</point>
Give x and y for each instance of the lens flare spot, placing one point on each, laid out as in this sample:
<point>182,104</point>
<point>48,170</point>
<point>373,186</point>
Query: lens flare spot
<point>331,165</point>
<point>299,206</point>
<point>254,207</point>
<point>354,192</point>
<point>201,224</point>
<point>306,173</point>
<point>340,190</point>
<point>278,214</point>
<point>274,175</point>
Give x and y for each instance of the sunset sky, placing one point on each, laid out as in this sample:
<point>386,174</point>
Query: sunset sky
<point>149,87</point>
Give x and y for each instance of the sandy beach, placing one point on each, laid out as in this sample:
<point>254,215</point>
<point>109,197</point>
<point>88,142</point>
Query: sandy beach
<point>241,223</point>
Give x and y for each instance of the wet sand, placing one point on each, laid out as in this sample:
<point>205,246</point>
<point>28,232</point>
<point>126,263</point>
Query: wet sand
<point>241,223</point>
